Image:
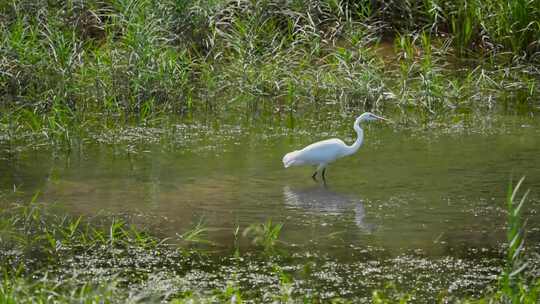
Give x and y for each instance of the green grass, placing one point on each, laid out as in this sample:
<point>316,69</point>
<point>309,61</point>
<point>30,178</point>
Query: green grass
<point>67,66</point>
<point>512,287</point>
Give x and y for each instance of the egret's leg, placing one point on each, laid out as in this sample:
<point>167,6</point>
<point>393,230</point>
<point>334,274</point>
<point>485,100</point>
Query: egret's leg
<point>323,171</point>
<point>321,166</point>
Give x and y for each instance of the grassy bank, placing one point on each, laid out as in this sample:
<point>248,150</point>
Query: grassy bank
<point>49,257</point>
<point>66,64</point>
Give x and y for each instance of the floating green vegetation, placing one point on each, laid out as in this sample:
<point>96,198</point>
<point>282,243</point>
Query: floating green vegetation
<point>50,257</point>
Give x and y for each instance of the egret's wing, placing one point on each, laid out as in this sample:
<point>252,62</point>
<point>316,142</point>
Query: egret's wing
<point>323,151</point>
<point>328,145</point>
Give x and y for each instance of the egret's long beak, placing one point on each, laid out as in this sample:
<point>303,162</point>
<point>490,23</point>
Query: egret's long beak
<point>382,118</point>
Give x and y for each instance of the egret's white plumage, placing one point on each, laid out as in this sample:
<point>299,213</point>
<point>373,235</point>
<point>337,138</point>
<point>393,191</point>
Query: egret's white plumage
<point>324,152</point>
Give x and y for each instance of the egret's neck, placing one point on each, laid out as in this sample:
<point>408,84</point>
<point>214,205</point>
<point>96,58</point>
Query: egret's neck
<point>359,139</point>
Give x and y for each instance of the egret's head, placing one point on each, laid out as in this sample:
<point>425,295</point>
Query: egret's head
<point>368,116</point>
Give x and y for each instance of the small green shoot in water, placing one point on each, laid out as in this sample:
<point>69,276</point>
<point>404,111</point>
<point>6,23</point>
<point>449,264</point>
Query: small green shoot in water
<point>236,245</point>
<point>197,234</point>
<point>115,231</point>
<point>265,235</point>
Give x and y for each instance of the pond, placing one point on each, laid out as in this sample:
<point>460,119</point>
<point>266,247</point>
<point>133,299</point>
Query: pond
<point>435,192</point>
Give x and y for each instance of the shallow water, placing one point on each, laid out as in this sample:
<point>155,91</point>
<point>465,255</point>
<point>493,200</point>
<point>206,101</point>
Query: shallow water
<point>419,205</point>
<point>439,190</point>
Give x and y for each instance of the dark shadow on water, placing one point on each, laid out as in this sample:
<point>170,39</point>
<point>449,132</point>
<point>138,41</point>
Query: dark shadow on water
<point>321,199</point>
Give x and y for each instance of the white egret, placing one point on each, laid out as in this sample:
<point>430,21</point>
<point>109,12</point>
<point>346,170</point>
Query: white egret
<point>324,152</point>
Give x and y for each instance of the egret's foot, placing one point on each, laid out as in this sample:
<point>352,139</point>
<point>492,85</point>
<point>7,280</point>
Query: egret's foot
<point>314,176</point>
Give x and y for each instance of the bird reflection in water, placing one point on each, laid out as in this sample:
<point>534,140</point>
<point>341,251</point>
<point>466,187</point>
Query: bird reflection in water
<point>319,199</point>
